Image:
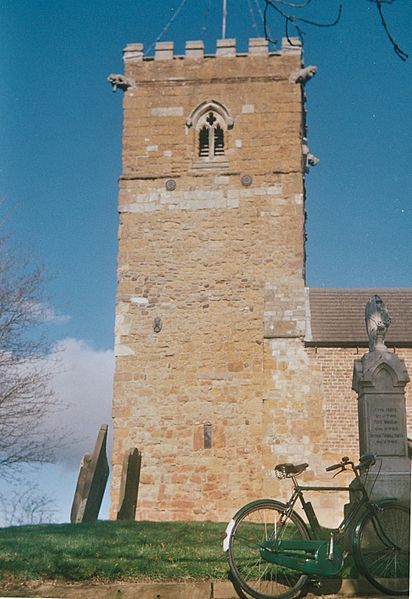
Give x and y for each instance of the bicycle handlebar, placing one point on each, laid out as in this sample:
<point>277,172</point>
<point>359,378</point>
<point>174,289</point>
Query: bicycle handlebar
<point>365,462</point>
<point>333,467</point>
<point>342,464</point>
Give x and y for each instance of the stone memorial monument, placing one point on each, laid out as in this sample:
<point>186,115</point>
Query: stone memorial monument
<point>91,482</point>
<point>129,486</point>
<point>379,379</point>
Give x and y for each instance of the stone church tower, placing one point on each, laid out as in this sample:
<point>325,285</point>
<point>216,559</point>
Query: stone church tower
<point>225,362</point>
<point>211,296</point>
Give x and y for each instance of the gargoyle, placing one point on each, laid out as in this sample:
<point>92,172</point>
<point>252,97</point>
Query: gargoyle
<point>120,81</point>
<point>308,158</point>
<point>313,160</point>
<point>377,322</point>
<point>304,75</point>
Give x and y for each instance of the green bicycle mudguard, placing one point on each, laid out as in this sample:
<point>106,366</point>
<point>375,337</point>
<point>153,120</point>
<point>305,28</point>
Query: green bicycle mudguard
<point>310,557</point>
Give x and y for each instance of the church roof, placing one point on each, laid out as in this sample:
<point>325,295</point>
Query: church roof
<point>337,317</point>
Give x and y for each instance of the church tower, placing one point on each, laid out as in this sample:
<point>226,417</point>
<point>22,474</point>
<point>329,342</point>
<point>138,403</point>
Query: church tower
<point>210,312</point>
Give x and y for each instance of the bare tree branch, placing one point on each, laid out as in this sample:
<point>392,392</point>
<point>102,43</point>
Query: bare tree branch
<point>402,55</point>
<point>26,397</point>
<point>26,506</point>
<point>292,19</point>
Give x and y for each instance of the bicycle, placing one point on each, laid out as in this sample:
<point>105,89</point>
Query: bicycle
<point>273,552</point>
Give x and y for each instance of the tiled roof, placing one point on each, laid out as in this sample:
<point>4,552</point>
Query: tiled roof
<point>337,316</point>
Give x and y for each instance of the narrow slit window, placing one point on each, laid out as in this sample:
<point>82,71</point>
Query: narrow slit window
<point>207,436</point>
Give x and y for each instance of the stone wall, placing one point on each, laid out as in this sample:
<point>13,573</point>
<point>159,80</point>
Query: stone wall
<point>337,413</point>
<point>213,382</point>
<point>340,407</point>
<point>207,257</point>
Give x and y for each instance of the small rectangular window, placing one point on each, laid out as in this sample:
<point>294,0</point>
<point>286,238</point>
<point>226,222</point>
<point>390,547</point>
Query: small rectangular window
<point>207,436</point>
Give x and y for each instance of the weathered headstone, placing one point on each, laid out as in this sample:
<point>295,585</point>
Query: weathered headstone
<point>129,486</point>
<point>91,482</point>
<point>379,379</point>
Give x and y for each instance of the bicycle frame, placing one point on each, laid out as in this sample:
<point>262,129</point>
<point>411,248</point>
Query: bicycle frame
<point>271,548</point>
<point>319,556</point>
<point>310,513</point>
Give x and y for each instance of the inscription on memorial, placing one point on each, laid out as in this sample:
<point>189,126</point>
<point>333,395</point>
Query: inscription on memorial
<point>386,429</point>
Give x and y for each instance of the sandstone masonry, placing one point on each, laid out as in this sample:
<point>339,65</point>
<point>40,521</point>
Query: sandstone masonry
<point>214,383</point>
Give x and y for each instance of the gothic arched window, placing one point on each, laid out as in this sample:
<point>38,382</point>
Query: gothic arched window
<point>211,136</point>
<point>210,122</point>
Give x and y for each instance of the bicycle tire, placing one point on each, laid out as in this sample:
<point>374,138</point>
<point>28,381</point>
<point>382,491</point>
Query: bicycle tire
<point>381,548</point>
<point>253,524</point>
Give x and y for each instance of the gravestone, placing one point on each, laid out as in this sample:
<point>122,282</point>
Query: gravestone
<point>129,486</point>
<point>91,482</point>
<point>379,379</point>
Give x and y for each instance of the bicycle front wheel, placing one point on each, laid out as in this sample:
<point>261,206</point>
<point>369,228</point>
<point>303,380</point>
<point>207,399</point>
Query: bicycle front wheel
<point>381,548</point>
<point>254,524</point>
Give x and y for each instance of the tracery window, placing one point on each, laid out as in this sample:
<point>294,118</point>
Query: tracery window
<point>210,123</point>
<point>211,137</point>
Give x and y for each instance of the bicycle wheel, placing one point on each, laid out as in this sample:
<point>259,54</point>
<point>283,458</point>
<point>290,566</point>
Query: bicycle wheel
<point>381,548</point>
<point>253,524</point>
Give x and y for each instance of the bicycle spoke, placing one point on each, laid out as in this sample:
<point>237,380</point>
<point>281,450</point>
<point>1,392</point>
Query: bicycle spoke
<point>256,576</point>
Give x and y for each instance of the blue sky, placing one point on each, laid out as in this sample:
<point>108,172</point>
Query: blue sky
<point>60,149</point>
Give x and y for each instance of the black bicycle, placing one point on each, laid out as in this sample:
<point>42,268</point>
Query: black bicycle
<point>273,553</point>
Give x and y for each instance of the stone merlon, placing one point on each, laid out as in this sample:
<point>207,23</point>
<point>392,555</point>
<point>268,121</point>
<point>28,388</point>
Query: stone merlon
<point>194,49</point>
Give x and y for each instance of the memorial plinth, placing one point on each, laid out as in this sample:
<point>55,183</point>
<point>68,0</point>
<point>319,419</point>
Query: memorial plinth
<point>379,379</point>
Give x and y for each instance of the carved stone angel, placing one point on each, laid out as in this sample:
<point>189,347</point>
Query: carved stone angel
<point>377,322</point>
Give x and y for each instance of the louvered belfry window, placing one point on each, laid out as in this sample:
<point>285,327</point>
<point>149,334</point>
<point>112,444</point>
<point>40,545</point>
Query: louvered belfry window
<point>219,146</point>
<point>204,142</point>
<point>211,137</point>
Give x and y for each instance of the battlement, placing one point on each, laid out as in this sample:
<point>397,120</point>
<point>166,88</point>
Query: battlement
<point>194,50</point>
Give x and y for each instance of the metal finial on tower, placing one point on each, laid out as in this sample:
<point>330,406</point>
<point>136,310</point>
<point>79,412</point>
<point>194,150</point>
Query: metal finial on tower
<point>224,15</point>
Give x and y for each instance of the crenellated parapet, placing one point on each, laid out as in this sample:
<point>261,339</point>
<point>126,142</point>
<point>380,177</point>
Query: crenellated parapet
<point>194,50</point>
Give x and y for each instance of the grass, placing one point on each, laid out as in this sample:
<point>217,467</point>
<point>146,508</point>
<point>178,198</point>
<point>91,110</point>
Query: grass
<point>109,551</point>
<point>113,551</point>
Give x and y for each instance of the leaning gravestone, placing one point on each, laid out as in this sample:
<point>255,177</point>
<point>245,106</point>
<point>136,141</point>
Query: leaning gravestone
<point>129,486</point>
<point>379,379</point>
<point>91,482</point>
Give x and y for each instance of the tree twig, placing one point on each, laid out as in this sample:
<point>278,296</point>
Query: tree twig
<point>291,18</point>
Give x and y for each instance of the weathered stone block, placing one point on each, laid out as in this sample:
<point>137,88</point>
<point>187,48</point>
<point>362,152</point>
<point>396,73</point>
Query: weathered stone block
<point>91,484</point>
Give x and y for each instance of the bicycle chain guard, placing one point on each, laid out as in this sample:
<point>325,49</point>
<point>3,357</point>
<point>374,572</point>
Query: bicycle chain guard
<point>309,557</point>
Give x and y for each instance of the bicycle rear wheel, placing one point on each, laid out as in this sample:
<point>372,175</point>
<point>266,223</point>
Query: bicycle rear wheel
<point>253,524</point>
<point>381,548</point>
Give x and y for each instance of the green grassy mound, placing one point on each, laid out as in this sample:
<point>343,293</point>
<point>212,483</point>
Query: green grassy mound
<point>113,551</point>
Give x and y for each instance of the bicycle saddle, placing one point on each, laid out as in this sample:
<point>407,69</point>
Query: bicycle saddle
<point>291,469</point>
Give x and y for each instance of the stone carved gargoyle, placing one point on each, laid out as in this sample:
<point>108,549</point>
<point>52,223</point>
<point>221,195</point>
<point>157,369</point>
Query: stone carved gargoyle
<point>313,160</point>
<point>304,75</point>
<point>377,322</point>
<point>308,158</point>
<point>120,81</point>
